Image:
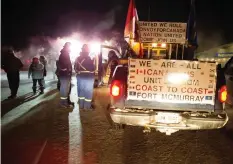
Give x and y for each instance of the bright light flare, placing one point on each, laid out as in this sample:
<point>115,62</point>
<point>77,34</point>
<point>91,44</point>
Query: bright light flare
<point>154,44</point>
<point>95,47</point>
<point>75,49</point>
<point>177,78</point>
<point>76,46</point>
<point>163,45</point>
<point>107,43</point>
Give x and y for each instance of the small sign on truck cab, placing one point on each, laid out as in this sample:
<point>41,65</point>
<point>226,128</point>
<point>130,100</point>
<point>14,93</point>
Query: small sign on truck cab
<point>172,81</point>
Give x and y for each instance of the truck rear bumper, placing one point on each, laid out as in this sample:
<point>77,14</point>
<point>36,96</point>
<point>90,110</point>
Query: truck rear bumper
<point>188,120</point>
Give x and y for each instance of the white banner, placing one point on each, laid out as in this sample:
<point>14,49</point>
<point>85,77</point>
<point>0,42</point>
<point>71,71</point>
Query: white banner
<point>172,81</point>
<point>162,32</point>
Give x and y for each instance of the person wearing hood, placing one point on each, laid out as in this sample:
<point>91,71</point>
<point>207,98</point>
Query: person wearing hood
<point>84,67</point>
<point>36,70</point>
<point>11,65</point>
<point>64,71</point>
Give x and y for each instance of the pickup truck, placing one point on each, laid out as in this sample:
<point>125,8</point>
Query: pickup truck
<point>168,95</point>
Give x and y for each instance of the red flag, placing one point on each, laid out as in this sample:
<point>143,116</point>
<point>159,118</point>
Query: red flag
<point>131,19</point>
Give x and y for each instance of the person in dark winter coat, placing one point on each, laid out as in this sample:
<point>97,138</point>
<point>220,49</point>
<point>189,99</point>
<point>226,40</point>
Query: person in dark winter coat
<point>65,73</point>
<point>36,70</point>
<point>84,67</point>
<point>57,73</point>
<point>44,62</point>
<point>11,65</point>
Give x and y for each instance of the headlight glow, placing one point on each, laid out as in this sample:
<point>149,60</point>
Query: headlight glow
<point>75,49</point>
<point>163,45</point>
<point>95,47</point>
<point>154,44</point>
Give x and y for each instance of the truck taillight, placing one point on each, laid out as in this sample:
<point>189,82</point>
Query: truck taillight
<point>223,94</point>
<point>115,88</point>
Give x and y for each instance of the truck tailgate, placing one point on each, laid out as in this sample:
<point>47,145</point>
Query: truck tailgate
<point>171,85</point>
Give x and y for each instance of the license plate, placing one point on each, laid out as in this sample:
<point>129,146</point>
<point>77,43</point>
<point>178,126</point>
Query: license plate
<point>167,118</point>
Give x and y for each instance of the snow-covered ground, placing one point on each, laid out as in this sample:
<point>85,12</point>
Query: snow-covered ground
<point>45,133</point>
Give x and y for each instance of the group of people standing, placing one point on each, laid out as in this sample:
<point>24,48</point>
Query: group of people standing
<point>12,66</point>
<point>84,68</point>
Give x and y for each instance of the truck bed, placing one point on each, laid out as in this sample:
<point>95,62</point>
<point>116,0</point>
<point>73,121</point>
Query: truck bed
<point>122,74</point>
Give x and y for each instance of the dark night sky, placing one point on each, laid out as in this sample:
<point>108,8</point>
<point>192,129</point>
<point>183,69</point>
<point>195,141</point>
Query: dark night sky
<point>22,19</point>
